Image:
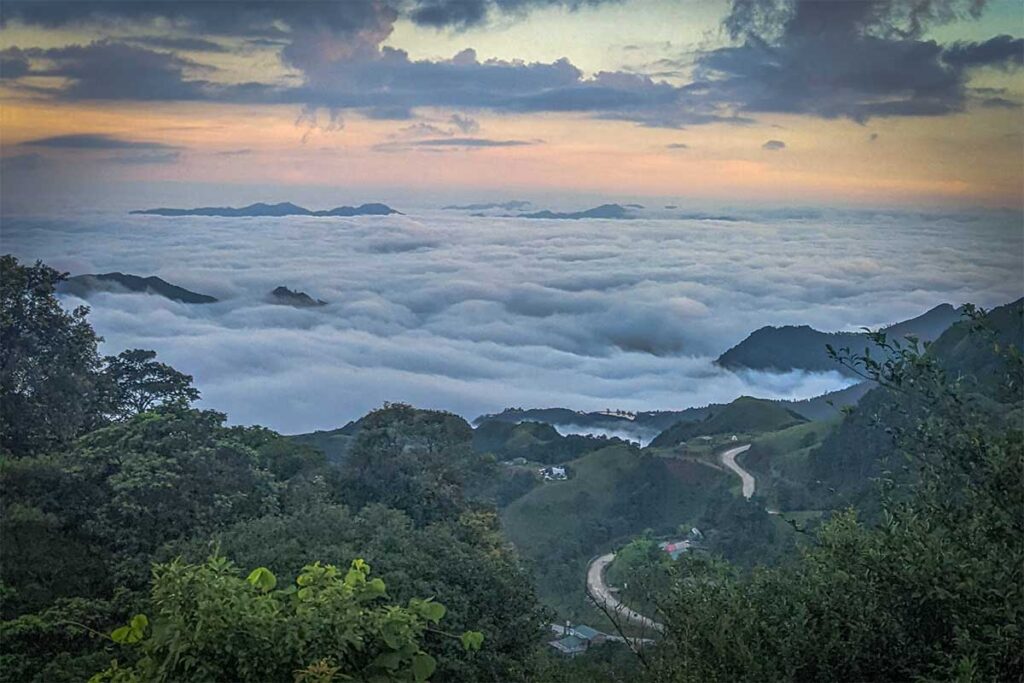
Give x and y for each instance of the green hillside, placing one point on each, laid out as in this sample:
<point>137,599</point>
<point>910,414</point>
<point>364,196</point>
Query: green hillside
<point>745,415</point>
<point>534,441</point>
<point>862,448</point>
<point>612,495</point>
<point>802,347</point>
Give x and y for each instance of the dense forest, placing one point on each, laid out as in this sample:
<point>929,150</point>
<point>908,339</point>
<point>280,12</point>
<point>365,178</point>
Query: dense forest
<point>145,539</point>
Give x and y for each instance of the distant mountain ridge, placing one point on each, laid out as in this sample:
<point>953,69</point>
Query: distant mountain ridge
<point>802,347</point>
<point>84,285</point>
<point>290,297</point>
<point>262,210</point>
<point>614,211</point>
<point>645,426</point>
<point>745,414</point>
<point>511,205</point>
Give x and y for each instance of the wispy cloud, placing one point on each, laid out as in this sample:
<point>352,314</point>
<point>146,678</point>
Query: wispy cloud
<point>96,141</point>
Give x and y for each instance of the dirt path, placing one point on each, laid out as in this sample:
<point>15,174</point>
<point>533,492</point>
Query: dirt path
<point>599,590</point>
<point>729,460</point>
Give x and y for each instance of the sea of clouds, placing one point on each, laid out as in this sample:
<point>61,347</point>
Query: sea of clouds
<point>475,314</point>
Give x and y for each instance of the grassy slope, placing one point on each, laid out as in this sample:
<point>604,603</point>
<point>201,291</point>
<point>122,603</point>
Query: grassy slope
<point>613,495</point>
<point>745,415</point>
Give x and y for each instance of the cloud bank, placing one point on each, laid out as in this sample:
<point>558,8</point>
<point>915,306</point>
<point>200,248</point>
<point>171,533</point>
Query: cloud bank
<point>853,59</point>
<point>476,314</point>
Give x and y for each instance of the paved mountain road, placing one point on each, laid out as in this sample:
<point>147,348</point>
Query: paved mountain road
<point>729,460</point>
<point>602,594</point>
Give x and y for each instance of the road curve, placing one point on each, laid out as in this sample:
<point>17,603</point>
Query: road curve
<point>729,460</point>
<point>601,593</point>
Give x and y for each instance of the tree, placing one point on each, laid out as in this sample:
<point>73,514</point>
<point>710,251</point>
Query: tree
<point>212,625</point>
<point>412,460</point>
<point>934,592</point>
<point>139,382</point>
<point>49,367</point>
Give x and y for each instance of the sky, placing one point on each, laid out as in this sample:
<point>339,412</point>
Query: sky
<point>779,102</point>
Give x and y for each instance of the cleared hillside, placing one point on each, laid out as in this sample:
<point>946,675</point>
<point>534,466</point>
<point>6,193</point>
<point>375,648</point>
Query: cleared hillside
<point>745,415</point>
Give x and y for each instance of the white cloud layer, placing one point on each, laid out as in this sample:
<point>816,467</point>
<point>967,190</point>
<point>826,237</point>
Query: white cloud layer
<point>476,314</point>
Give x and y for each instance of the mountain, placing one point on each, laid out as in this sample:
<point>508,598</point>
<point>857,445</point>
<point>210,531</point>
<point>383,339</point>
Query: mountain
<point>803,348</point>
<point>612,494</point>
<point>862,446</point>
<point>289,297</point>
<point>830,405</point>
<point>513,205</point>
<point>533,441</point>
<point>745,415</point>
<point>645,426</point>
<point>261,210</point>
<point>85,285</point>
<point>613,211</point>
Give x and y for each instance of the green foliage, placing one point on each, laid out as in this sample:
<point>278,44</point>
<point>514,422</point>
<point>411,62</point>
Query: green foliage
<point>534,441</point>
<point>211,625</point>
<point>931,593</point>
<point>745,415</point>
<point>465,564</point>
<point>49,369</point>
<point>62,643</point>
<point>139,382</point>
<point>413,460</point>
<point>614,495</point>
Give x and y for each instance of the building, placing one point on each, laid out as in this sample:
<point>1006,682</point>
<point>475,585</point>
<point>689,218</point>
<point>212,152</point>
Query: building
<point>576,639</point>
<point>675,548</point>
<point>570,646</point>
<point>591,635</point>
<point>554,473</point>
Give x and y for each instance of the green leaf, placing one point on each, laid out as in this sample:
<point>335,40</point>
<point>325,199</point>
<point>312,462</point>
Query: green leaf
<point>139,623</point>
<point>120,635</point>
<point>432,611</point>
<point>423,666</point>
<point>263,579</point>
<point>472,640</point>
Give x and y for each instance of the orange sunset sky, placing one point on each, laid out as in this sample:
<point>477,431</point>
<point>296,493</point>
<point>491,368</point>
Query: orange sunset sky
<point>848,102</point>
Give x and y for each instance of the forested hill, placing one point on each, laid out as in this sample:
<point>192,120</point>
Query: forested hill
<point>745,415</point>
<point>803,348</point>
<point>864,446</point>
<point>145,540</point>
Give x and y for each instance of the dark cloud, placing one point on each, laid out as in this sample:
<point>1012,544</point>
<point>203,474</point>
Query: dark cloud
<point>465,124</point>
<point>999,103</point>
<point>145,158</point>
<point>471,142</point>
<point>98,141</point>
<point>855,59</point>
<point>244,18</point>
<point>774,145</point>
<point>13,64</point>
<point>1002,51</point>
<point>453,143</point>
<point>178,43</point>
<point>464,13</point>
<point>110,70</point>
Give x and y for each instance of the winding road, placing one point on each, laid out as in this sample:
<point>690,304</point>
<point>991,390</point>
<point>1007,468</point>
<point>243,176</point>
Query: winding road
<point>602,594</point>
<point>728,459</point>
